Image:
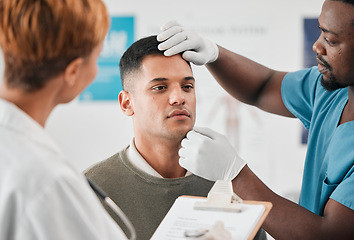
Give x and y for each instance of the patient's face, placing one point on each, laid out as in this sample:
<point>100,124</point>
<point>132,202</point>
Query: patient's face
<point>164,102</point>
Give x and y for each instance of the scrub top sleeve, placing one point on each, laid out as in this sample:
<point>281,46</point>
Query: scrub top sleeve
<point>298,91</point>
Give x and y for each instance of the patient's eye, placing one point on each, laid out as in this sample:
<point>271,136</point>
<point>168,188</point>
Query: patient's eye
<point>188,87</point>
<point>159,88</point>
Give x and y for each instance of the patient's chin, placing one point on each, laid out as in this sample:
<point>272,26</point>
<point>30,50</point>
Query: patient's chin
<point>179,134</point>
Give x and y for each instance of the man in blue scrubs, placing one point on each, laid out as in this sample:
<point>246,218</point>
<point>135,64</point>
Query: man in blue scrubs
<point>321,97</point>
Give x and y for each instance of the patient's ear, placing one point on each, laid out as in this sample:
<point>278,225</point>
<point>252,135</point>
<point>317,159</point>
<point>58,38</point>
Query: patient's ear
<point>125,102</point>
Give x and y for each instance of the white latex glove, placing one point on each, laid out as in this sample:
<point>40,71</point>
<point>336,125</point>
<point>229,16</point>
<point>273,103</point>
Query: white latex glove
<point>209,155</point>
<point>196,49</point>
<point>218,232</point>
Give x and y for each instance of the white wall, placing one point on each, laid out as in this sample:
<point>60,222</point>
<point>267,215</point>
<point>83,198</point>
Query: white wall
<point>267,31</point>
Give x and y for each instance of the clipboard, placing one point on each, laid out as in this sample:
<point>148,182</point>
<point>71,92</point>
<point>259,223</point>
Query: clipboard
<point>268,206</point>
<point>242,218</point>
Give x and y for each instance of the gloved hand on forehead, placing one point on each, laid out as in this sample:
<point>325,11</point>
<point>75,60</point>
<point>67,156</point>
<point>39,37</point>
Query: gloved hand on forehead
<point>209,155</point>
<point>195,48</point>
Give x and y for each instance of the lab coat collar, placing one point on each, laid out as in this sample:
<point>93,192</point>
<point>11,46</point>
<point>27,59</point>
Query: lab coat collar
<point>16,120</point>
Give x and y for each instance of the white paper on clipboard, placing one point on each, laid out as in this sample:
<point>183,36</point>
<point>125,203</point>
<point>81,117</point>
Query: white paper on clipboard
<point>183,216</point>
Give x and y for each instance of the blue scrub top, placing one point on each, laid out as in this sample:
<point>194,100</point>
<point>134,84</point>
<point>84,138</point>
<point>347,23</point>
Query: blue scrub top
<point>328,170</point>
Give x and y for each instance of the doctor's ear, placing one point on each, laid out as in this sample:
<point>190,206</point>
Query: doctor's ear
<point>72,71</point>
<point>125,102</point>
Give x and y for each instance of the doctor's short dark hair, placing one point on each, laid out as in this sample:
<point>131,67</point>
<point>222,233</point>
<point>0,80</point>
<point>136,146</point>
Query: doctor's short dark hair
<point>132,58</point>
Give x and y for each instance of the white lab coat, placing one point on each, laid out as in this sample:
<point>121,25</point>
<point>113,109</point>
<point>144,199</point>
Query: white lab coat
<point>41,195</point>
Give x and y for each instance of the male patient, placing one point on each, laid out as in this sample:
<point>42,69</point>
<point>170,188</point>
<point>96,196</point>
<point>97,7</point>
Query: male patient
<point>145,178</point>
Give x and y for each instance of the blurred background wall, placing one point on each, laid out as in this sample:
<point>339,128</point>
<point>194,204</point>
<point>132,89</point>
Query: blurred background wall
<point>270,32</point>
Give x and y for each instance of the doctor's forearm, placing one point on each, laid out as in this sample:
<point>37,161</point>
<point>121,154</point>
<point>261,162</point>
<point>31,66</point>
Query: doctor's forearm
<point>288,220</point>
<point>243,78</point>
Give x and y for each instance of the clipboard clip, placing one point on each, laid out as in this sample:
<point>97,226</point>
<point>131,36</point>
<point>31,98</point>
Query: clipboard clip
<point>221,198</point>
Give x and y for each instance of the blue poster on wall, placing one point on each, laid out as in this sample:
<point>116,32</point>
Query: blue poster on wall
<point>311,34</point>
<point>107,83</point>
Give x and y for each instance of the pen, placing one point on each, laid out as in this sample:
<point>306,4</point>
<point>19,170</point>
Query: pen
<point>102,195</point>
<point>195,232</point>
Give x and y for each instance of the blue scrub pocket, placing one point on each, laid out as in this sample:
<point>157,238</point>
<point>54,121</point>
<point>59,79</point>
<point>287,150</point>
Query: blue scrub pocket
<point>327,190</point>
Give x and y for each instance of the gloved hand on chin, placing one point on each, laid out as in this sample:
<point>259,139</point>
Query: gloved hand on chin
<point>209,155</point>
<point>177,39</point>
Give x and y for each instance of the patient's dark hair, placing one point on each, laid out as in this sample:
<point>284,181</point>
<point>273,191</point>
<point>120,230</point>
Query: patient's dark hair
<point>133,57</point>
